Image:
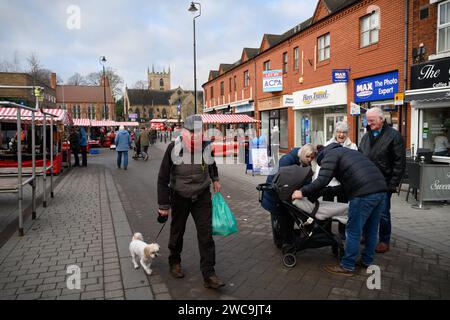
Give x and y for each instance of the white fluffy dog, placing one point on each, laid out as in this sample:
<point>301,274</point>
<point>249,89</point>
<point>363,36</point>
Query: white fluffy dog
<point>146,252</point>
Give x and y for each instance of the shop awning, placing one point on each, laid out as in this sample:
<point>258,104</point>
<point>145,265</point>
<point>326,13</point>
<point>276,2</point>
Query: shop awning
<point>227,118</point>
<point>82,122</point>
<point>427,95</point>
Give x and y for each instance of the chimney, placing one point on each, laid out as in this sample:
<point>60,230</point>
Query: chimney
<point>53,81</point>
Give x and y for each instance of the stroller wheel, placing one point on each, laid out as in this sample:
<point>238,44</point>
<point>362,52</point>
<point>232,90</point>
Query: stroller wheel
<point>289,260</point>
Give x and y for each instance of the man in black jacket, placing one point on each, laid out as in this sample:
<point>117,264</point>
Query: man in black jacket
<point>184,181</point>
<point>384,146</point>
<point>365,187</point>
<point>74,139</point>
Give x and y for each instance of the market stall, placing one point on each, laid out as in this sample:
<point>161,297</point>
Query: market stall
<point>227,124</point>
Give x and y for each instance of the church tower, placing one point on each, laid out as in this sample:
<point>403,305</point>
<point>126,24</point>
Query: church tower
<point>158,80</point>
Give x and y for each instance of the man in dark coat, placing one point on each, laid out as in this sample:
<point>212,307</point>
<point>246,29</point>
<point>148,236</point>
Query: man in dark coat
<point>384,146</point>
<point>184,181</point>
<point>74,139</point>
<point>365,187</point>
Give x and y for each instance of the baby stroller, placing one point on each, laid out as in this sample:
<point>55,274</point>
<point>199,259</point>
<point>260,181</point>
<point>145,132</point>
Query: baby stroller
<point>137,151</point>
<point>314,220</point>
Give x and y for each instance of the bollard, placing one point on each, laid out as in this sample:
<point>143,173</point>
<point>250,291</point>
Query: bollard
<point>420,205</point>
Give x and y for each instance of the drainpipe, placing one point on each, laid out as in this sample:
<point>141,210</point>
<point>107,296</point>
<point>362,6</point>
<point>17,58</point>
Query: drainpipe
<point>404,117</point>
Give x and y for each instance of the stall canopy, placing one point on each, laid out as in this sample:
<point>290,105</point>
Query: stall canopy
<point>10,115</point>
<point>128,124</point>
<point>82,122</point>
<point>158,120</point>
<point>227,118</point>
<point>103,123</point>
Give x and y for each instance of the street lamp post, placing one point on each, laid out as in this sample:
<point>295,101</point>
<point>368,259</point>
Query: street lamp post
<point>193,9</point>
<point>103,62</point>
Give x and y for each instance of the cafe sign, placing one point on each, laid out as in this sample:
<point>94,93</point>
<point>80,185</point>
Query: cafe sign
<point>435,182</point>
<point>431,74</point>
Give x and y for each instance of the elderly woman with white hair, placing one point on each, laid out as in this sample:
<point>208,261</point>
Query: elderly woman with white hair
<point>123,143</point>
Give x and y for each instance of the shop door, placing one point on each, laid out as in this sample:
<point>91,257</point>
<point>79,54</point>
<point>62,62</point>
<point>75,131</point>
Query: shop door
<point>274,135</point>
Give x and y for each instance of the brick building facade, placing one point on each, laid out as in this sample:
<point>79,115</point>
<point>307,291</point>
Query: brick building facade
<point>365,39</point>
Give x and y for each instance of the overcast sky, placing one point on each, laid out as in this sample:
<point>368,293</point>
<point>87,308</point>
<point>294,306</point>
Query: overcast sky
<point>134,35</point>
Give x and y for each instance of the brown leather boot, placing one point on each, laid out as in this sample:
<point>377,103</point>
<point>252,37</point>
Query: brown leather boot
<point>382,247</point>
<point>213,282</point>
<point>176,271</point>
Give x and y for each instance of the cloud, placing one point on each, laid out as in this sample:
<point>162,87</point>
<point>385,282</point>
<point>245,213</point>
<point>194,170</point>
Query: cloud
<point>134,35</point>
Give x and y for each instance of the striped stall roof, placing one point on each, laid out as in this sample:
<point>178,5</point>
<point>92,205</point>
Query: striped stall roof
<point>103,123</point>
<point>82,122</point>
<point>227,118</point>
<point>10,115</point>
<point>128,124</point>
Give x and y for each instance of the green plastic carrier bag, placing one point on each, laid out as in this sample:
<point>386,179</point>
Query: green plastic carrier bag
<point>223,221</point>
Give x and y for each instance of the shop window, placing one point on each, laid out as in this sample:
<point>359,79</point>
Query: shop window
<point>296,58</point>
<point>370,26</point>
<point>324,47</point>
<point>444,27</point>
<point>436,123</point>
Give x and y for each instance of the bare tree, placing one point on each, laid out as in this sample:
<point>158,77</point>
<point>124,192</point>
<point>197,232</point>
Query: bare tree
<point>77,80</point>
<point>36,71</point>
<point>142,85</point>
<point>115,81</point>
<point>11,66</point>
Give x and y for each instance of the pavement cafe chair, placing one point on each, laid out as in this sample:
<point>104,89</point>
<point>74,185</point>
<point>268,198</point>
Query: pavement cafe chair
<point>314,220</point>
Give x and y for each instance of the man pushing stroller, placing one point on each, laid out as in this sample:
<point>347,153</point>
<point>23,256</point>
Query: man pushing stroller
<point>366,189</point>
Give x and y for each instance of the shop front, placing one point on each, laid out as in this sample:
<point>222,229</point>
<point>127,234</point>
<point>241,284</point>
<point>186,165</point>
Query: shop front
<point>317,111</point>
<point>430,108</point>
<point>377,91</point>
<point>274,120</point>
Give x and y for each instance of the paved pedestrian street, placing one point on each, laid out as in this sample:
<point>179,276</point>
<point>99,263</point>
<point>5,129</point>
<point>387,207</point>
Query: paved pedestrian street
<point>89,224</point>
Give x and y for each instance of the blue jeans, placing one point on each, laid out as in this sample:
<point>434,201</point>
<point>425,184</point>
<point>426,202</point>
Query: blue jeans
<point>363,213</point>
<point>125,158</point>
<point>384,234</point>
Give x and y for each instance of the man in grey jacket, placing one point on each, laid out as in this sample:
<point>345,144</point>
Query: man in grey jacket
<point>184,182</point>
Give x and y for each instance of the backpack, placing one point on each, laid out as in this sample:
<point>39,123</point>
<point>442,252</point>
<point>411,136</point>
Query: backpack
<point>290,178</point>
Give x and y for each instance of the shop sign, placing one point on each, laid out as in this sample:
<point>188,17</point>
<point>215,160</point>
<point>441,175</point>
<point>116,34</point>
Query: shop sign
<point>273,80</point>
<point>132,116</point>
<point>331,95</point>
<point>340,75</point>
<point>288,101</point>
<point>431,74</point>
<point>379,87</point>
<point>399,98</point>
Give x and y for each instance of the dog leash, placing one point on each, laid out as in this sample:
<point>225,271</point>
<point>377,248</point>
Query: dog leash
<point>160,231</point>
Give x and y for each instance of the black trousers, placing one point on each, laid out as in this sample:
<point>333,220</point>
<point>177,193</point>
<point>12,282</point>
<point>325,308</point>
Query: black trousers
<point>202,214</point>
<point>75,155</point>
<point>83,156</point>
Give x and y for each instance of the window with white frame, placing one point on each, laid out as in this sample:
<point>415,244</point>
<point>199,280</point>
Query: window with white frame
<point>370,27</point>
<point>443,27</point>
<point>324,47</point>
<point>222,88</point>
<point>266,65</point>
<point>296,58</point>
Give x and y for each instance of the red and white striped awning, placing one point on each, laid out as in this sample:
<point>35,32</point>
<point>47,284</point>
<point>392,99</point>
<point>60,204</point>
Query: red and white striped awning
<point>128,124</point>
<point>158,120</point>
<point>103,123</point>
<point>227,118</point>
<point>10,115</point>
<point>81,122</point>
